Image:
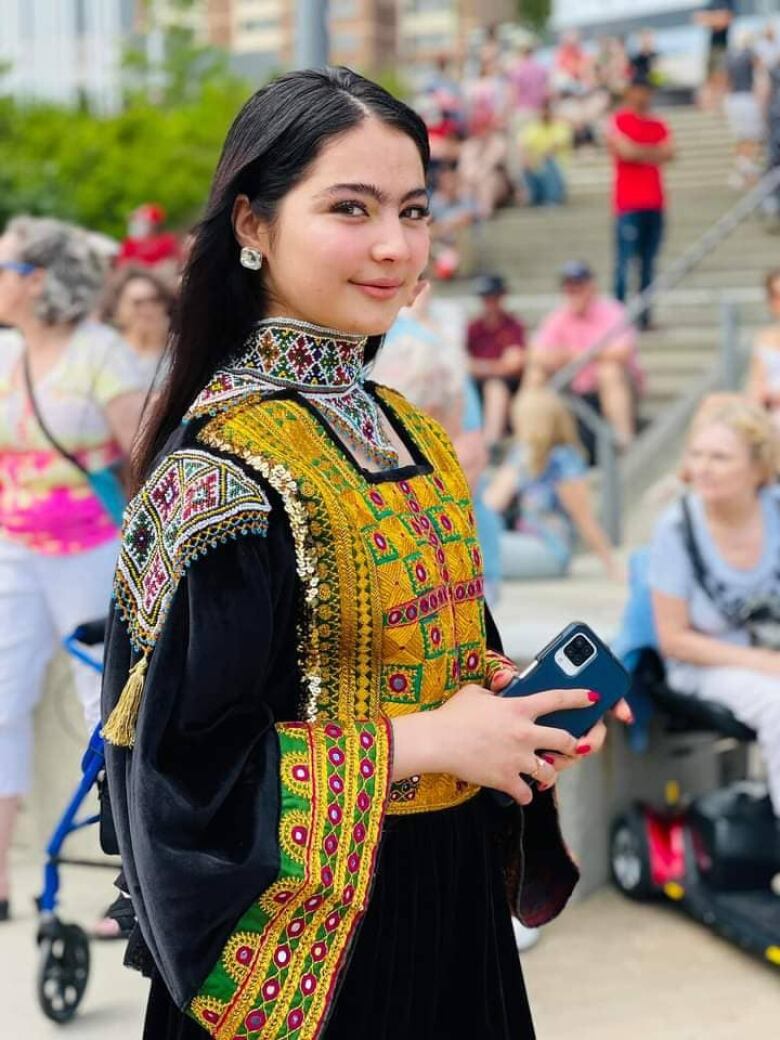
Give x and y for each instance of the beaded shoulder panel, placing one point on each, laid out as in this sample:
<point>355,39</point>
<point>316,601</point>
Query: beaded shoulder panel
<point>190,504</point>
<point>226,389</point>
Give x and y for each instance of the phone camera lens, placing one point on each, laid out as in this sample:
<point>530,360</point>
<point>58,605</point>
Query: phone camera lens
<point>579,650</point>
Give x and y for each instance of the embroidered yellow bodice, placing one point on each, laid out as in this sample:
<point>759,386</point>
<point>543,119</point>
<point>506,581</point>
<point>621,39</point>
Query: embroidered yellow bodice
<point>391,568</point>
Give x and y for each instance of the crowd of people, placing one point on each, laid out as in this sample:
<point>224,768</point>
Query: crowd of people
<point>506,134</point>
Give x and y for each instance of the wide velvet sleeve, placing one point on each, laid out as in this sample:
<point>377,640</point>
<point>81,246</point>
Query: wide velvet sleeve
<point>539,870</point>
<point>248,838</point>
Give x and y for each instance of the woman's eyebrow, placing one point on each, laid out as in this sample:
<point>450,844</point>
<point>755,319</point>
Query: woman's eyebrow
<point>373,191</point>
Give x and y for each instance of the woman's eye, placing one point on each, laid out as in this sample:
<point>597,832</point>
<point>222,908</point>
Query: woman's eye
<point>417,213</point>
<point>351,209</point>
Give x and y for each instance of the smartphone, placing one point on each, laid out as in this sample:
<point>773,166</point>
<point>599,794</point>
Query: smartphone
<point>575,658</point>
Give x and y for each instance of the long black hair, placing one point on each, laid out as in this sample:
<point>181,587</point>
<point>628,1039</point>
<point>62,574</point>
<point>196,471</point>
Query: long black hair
<point>273,141</point>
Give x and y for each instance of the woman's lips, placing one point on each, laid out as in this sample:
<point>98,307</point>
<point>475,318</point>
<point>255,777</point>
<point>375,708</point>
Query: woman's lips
<point>378,290</point>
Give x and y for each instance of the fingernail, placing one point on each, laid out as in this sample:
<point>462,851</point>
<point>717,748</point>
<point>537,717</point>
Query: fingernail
<point>543,787</point>
<point>548,759</point>
<point>631,717</point>
<point>584,749</point>
<point>593,697</point>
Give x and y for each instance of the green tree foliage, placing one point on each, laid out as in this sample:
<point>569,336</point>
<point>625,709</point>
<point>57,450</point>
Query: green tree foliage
<point>534,13</point>
<point>161,147</point>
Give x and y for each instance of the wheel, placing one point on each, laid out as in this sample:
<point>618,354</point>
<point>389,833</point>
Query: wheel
<point>63,969</point>
<point>629,856</point>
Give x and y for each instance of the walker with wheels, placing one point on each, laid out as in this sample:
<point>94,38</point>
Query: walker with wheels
<point>64,957</point>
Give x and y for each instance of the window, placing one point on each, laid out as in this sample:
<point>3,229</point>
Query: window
<point>258,24</point>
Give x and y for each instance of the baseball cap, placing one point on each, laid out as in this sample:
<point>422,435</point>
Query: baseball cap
<point>490,285</point>
<point>576,271</point>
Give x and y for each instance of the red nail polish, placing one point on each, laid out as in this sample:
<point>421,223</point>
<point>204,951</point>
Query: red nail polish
<point>548,759</point>
<point>584,749</point>
<point>593,697</point>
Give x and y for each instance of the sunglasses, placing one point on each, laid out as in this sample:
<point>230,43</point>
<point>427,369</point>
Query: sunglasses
<point>18,266</point>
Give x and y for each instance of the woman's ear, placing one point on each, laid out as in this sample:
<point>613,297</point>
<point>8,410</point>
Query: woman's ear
<point>249,229</point>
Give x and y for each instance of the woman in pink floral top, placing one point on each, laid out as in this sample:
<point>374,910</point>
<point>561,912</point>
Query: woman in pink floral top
<point>57,541</point>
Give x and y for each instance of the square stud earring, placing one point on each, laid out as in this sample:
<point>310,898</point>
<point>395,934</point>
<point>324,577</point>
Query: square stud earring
<point>252,259</point>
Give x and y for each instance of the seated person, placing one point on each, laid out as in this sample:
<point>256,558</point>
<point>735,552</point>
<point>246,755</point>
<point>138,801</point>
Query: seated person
<point>763,385</point>
<point>715,571</point>
<point>545,145</point>
<point>482,167</point>
<point>453,215</point>
<point>610,381</point>
<point>495,342</point>
<point>546,469</point>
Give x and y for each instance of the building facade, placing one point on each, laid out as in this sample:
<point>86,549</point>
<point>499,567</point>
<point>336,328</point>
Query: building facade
<point>64,50</point>
<point>428,28</point>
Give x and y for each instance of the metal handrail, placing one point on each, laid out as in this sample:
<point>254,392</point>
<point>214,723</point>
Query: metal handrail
<point>681,267</point>
<point>607,446</point>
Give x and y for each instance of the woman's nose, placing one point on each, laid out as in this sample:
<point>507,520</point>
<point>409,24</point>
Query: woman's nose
<point>391,242</point>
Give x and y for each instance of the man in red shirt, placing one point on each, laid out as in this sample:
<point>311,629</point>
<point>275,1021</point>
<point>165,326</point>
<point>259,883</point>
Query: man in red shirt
<point>496,347</point>
<point>640,145</point>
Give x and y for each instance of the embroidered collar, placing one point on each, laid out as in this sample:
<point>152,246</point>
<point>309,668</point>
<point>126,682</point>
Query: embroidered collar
<point>323,366</point>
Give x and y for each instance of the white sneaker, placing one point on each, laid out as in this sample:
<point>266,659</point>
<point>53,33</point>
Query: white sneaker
<point>525,938</point>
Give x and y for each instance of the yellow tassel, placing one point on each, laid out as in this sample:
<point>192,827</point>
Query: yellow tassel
<point>120,727</point>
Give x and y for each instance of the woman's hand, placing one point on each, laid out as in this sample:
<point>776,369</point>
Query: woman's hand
<point>764,660</point>
<point>590,744</point>
<point>488,740</point>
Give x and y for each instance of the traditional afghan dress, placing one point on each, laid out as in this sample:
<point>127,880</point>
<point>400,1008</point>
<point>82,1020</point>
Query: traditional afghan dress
<point>277,605</point>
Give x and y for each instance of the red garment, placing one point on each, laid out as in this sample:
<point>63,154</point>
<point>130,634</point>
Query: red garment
<point>149,251</point>
<point>489,342</point>
<point>638,185</point>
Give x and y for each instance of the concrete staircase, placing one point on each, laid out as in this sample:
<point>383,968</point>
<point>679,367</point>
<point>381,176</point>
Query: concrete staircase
<point>529,246</point>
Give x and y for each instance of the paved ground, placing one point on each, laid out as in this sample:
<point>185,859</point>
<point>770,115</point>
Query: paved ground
<point>607,970</point>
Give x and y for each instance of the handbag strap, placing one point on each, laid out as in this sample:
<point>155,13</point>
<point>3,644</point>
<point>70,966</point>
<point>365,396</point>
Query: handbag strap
<point>700,572</point>
<point>57,445</point>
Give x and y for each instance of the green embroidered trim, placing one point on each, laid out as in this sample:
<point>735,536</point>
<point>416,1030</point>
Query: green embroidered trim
<point>278,970</point>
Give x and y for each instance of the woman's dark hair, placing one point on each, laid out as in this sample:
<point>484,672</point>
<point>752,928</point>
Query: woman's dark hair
<point>273,141</point>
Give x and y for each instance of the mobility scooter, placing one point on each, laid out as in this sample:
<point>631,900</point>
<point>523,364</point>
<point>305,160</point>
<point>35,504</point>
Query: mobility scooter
<point>716,857</point>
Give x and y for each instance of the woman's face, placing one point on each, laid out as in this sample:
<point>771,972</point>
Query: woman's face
<point>18,291</point>
<point>140,305</point>
<point>720,466</point>
<point>351,239</point>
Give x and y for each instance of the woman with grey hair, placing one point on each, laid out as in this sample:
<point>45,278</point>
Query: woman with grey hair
<point>71,396</point>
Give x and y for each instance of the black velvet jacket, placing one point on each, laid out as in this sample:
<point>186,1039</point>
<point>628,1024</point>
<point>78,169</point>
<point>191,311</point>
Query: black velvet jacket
<point>196,805</point>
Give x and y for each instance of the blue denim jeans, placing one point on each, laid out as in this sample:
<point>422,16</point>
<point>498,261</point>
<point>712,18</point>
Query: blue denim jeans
<point>545,185</point>
<point>638,235</point>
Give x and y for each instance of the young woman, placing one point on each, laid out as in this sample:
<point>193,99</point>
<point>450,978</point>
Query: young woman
<point>58,541</point>
<point>546,469</point>
<point>715,571</point>
<point>138,302</point>
<point>296,695</point>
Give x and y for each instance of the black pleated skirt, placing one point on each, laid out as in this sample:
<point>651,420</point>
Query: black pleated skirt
<point>435,955</point>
